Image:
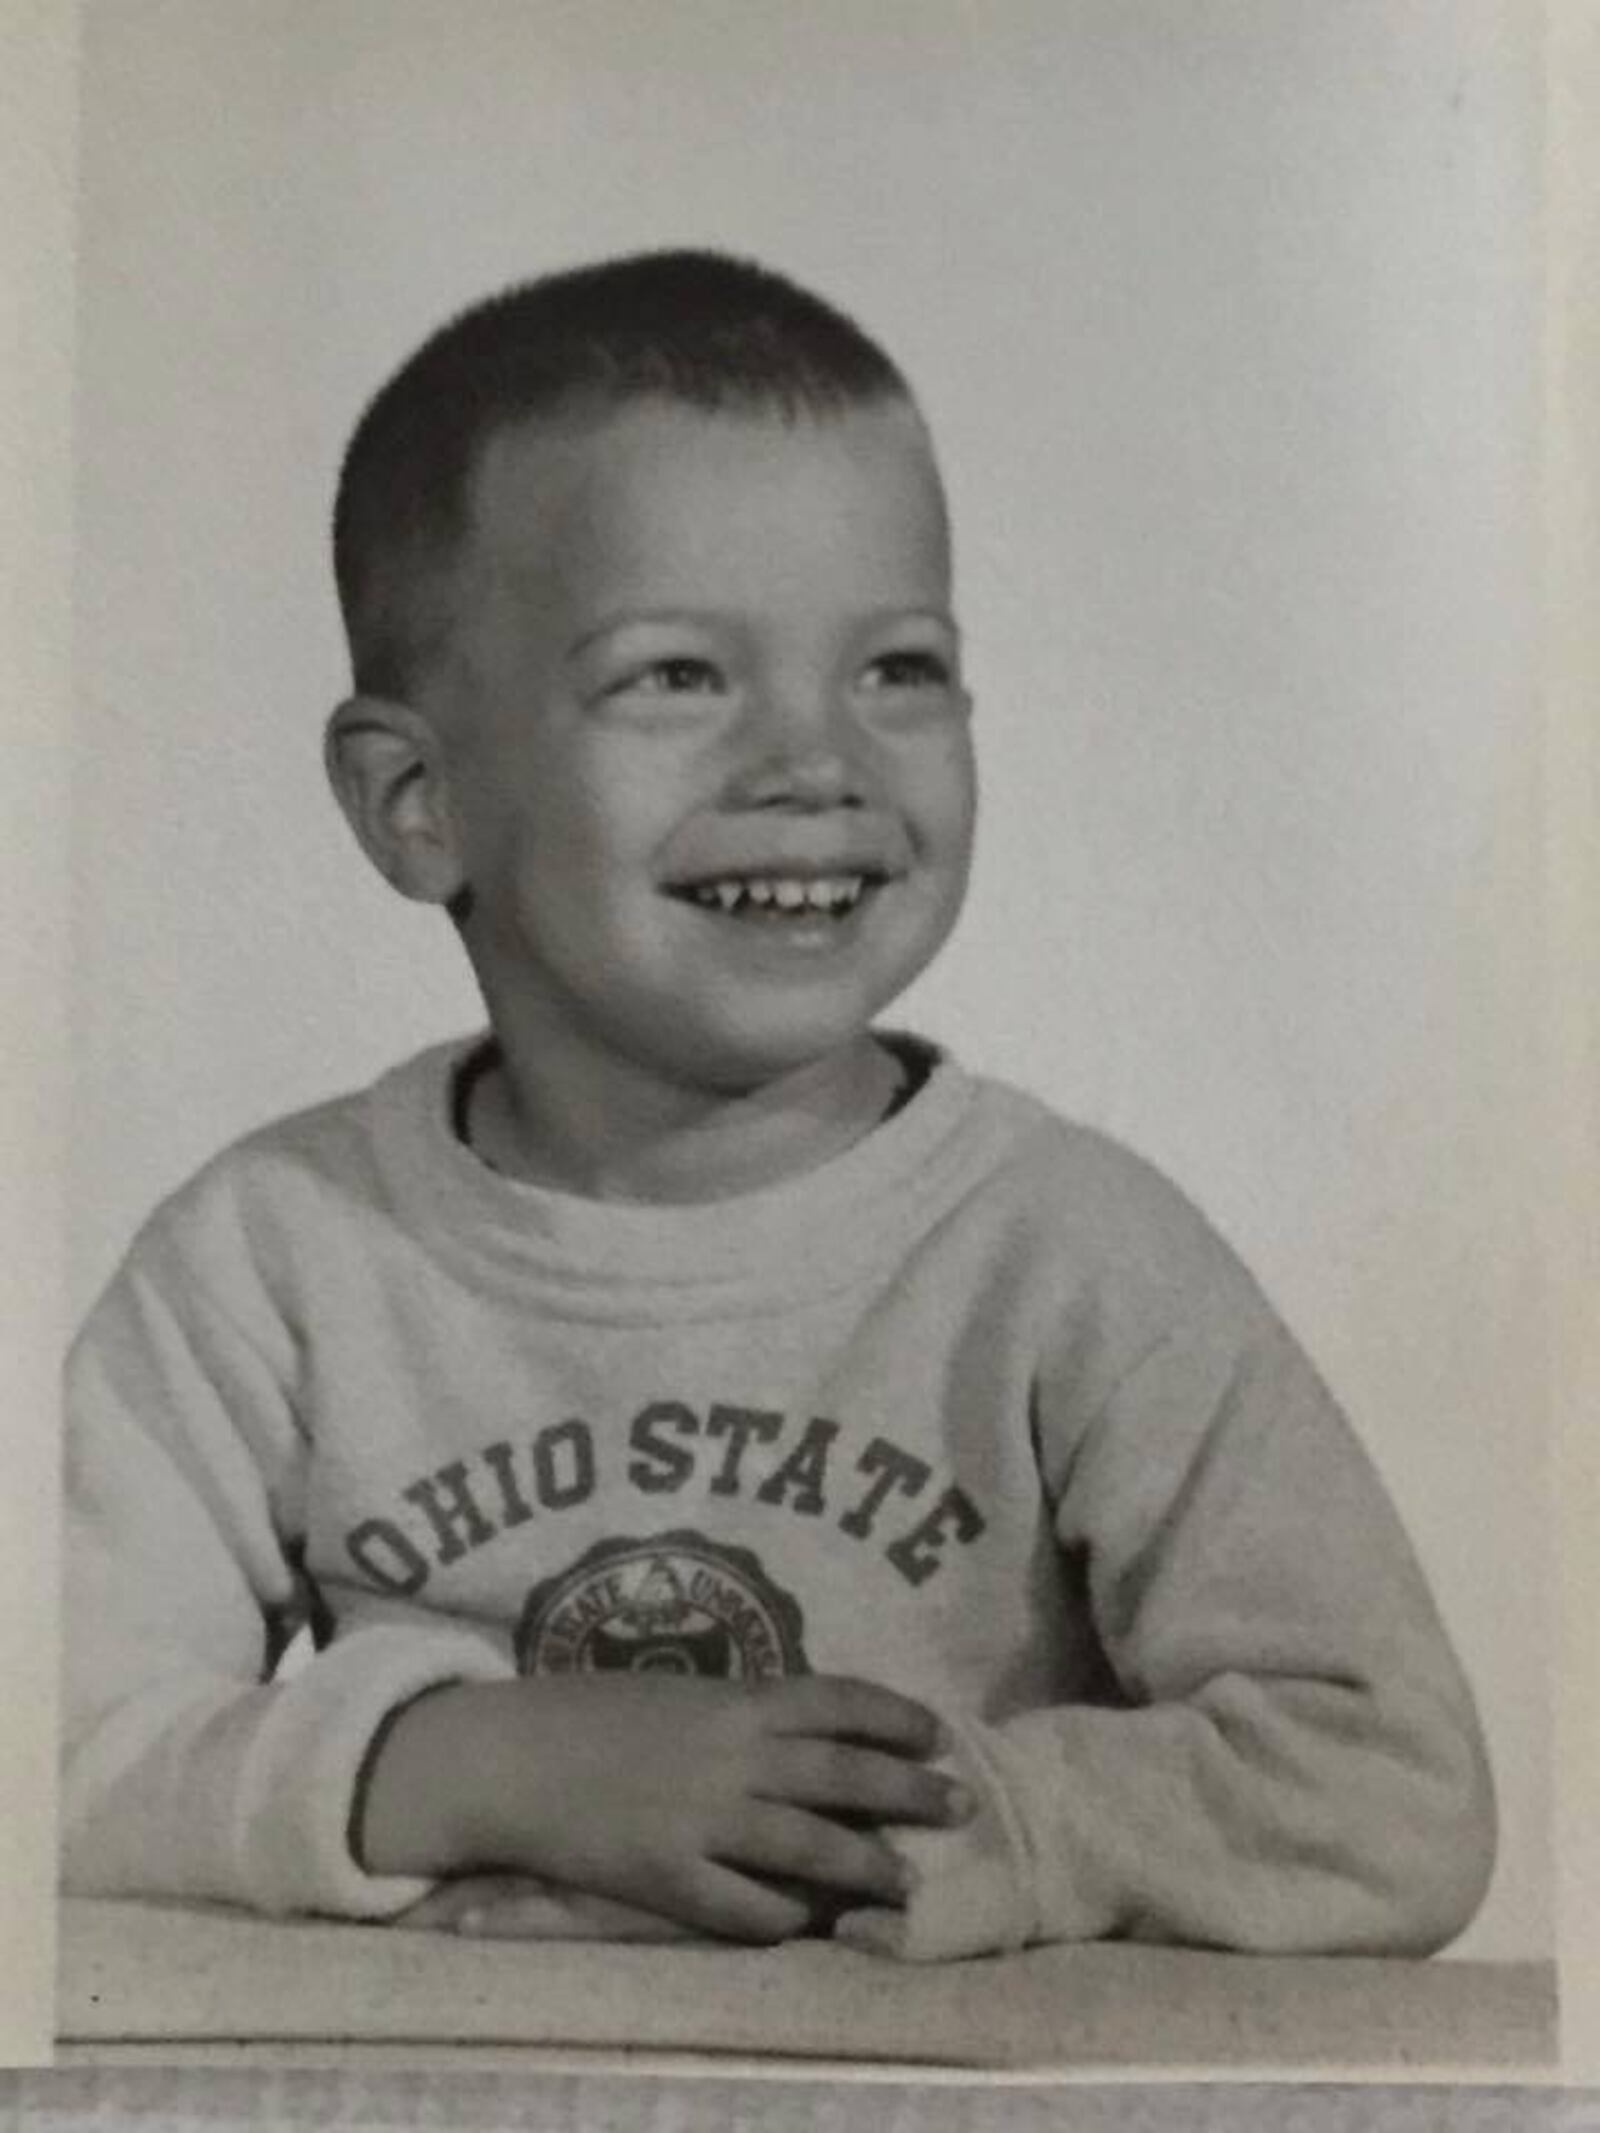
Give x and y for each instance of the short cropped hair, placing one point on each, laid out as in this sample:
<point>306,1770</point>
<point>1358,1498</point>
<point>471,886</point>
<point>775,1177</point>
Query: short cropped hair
<point>695,327</point>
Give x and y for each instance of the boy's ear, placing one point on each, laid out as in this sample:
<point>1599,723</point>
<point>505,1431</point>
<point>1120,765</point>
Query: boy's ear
<point>386,768</point>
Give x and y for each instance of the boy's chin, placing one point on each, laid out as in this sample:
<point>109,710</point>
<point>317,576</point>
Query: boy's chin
<point>738,1053</point>
<point>765,1061</point>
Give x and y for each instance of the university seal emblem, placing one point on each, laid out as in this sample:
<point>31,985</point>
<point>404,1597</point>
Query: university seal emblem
<point>673,1604</point>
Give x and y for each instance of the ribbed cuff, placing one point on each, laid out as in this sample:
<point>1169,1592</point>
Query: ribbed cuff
<point>305,1772</point>
<point>973,1891</point>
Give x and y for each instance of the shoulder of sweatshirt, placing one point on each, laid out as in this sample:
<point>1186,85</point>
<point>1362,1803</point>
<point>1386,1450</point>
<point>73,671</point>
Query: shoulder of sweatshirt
<point>237,1223</point>
<point>1086,1196</point>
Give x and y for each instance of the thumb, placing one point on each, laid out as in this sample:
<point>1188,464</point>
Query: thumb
<point>875,1930</point>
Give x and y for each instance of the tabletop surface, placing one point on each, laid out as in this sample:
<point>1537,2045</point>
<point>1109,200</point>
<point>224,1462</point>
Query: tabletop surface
<point>162,1981</point>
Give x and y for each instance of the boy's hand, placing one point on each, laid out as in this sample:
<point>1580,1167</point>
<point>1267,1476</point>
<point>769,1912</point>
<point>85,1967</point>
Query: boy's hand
<point>517,1907</point>
<point>691,1800</point>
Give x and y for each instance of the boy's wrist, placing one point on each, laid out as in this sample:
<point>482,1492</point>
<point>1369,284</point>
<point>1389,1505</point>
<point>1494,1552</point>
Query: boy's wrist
<point>406,1806</point>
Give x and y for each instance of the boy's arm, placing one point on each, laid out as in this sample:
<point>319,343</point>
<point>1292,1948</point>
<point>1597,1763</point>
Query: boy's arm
<point>1299,1766</point>
<point>185,1771</point>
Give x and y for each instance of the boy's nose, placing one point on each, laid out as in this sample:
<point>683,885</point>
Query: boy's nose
<point>801,751</point>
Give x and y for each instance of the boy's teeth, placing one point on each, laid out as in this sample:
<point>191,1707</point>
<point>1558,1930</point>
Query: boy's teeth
<point>835,892</point>
<point>832,892</point>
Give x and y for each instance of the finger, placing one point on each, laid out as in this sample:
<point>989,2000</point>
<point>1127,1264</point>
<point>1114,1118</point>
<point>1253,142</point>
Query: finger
<point>773,1839</point>
<point>822,1906</point>
<point>567,1915</point>
<point>734,1906</point>
<point>874,1932</point>
<point>847,1709</point>
<point>861,1782</point>
<point>443,1907</point>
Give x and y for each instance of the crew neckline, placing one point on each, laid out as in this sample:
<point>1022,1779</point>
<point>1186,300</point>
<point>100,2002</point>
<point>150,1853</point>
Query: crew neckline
<point>811,1231</point>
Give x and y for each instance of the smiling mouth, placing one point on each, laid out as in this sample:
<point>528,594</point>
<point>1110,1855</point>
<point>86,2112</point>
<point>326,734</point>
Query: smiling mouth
<point>782,897</point>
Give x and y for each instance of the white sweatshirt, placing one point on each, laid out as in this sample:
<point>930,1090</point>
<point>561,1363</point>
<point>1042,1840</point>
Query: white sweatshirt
<point>982,1410</point>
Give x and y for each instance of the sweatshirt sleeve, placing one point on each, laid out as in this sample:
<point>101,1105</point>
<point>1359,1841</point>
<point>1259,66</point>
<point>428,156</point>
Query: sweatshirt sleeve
<point>1289,1760</point>
<point>187,1771</point>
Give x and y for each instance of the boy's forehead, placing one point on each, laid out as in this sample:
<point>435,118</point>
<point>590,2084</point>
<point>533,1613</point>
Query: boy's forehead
<point>650,473</point>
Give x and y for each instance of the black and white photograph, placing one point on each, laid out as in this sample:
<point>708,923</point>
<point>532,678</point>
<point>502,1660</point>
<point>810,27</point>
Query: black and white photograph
<point>808,1246</point>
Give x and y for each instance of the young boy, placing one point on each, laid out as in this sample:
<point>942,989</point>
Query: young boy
<point>744,1473</point>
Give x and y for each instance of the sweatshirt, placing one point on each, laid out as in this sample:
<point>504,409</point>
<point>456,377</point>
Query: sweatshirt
<point>981,1409</point>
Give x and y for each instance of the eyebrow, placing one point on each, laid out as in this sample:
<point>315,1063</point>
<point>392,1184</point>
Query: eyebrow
<point>711,618</point>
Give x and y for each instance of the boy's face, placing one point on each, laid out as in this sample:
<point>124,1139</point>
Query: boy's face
<point>711,772</point>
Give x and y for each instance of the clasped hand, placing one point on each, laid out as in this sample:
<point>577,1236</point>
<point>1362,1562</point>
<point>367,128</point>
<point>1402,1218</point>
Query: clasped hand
<point>650,1806</point>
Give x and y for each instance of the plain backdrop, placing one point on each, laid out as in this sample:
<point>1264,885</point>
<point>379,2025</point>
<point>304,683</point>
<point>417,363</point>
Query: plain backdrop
<point>1226,319</point>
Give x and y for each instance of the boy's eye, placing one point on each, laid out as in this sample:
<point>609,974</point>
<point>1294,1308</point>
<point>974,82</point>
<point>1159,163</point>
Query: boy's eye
<point>678,676</point>
<point>909,670</point>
